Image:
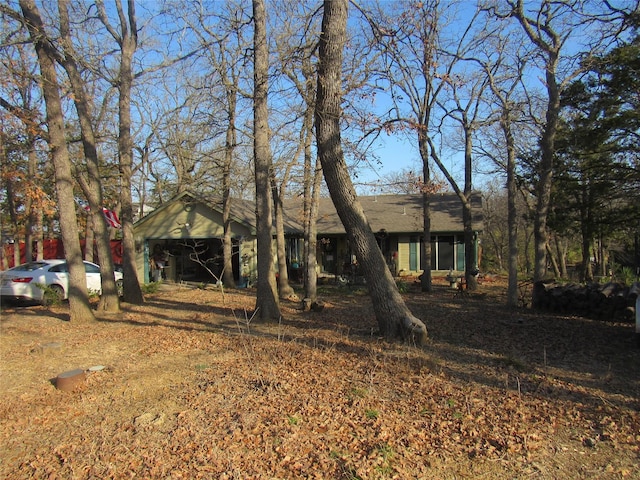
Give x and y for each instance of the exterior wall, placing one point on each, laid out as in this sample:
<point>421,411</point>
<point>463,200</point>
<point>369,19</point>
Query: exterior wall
<point>453,243</point>
<point>176,222</point>
<point>457,262</point>
<point>403,255</point>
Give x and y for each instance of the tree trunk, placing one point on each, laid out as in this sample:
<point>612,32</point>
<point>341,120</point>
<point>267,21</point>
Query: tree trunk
<point>394,318</point>
<point>92,185</point>
<point>470,260</point>
<point>586,270</point>
<point>79,309</point>
<point>561,253</point>
<point>312,183</point>
<point>267,304</point>
<point>7,185</point>
<point>89,236</point>
<point>284,287</point>
<point>127,40</point>
<point>512,211</point>
<point>311,234</point>
<point>470,264</point>
<point>554,262</point>
<point>229,147</point>
<point>32,210</point>
<point>39,235</point>
<point>425,281</point>
<point>548,41</point>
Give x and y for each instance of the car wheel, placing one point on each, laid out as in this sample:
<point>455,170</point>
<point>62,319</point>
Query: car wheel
<point>120,287</point>
<point>56,294</point>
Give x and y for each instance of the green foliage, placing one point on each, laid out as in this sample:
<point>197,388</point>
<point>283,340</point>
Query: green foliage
<point>624,275</point>
<point>151,287</point>
<point>387,453</point>
<point>510,361</point>
<point>403,287</point>
<point>596,180</point>
<point>358,392</point>
<point>51,295</point>
<point>372,414</point>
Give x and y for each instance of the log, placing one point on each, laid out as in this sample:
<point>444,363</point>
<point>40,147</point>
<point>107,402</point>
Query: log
<point>609,302</point>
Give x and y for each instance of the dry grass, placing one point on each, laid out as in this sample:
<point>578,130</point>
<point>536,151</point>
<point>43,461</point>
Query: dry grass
<point>194,388</point>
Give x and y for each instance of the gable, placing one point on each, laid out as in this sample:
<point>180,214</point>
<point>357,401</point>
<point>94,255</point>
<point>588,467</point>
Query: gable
<point>187,216</point>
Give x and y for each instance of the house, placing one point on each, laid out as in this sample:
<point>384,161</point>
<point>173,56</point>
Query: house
<point>397,223</point>
<point>186,234</point>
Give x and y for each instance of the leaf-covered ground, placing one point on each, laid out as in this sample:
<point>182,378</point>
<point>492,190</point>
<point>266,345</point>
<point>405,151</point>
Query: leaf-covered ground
<point>193,388</point>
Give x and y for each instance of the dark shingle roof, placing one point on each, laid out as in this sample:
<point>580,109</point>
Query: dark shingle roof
<point>403,213</point>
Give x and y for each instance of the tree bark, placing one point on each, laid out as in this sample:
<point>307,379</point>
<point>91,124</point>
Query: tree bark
<point>285,290</point>
<point>267,304</point>
<point>550,49</point>
<point>470,260</point>
<point>127,40</point>
<point>423,147</point>
<point>227,243</point>
<point>92,185</point>
<point>311,233</point>
<point>512,211</point>
<point>394,318</point>
<point>79,309</point>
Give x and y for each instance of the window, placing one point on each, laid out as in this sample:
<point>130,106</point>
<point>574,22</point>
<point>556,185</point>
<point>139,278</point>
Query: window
<point>60,268</point>
<point>445,252</point>
<point>29,267</point>
<point>91,268</point>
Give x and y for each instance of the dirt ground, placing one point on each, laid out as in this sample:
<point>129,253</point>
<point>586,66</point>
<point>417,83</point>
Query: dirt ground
<point>188,386</point>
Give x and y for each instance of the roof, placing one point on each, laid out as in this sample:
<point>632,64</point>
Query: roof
<point>393,213</point>
<point>403,213</point>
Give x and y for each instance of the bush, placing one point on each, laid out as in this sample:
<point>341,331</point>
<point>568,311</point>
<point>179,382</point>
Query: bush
<point>151,287</point>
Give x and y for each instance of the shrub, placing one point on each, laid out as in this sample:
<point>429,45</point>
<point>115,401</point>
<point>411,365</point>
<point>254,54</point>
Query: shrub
<point>151,287</point>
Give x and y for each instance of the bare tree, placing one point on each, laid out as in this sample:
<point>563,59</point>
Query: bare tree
<point>91,184</point>
<point>219,31</point>
<point>466,107</point>
<point>541,31</point>
<point>267,304</point>
<point>417,76</point>
<point>296,43</point>
<point>126,36</point>
<point>394,318</point>
<point>278,192</point>
<point>79,309</point>
<point>504,67</point>
<point>30,188</point>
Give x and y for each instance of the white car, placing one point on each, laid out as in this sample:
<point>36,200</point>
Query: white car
<point>27,282</point>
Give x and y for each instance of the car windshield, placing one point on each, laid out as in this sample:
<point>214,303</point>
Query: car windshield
<point>29,267</point>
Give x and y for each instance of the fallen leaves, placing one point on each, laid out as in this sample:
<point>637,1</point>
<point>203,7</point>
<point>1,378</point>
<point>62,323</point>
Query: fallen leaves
<point>191,390</point>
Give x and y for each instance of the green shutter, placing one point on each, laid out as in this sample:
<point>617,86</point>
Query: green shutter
<point>460,256</point>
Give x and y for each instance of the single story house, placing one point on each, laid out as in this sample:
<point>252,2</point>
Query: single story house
<point>186,234</point>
